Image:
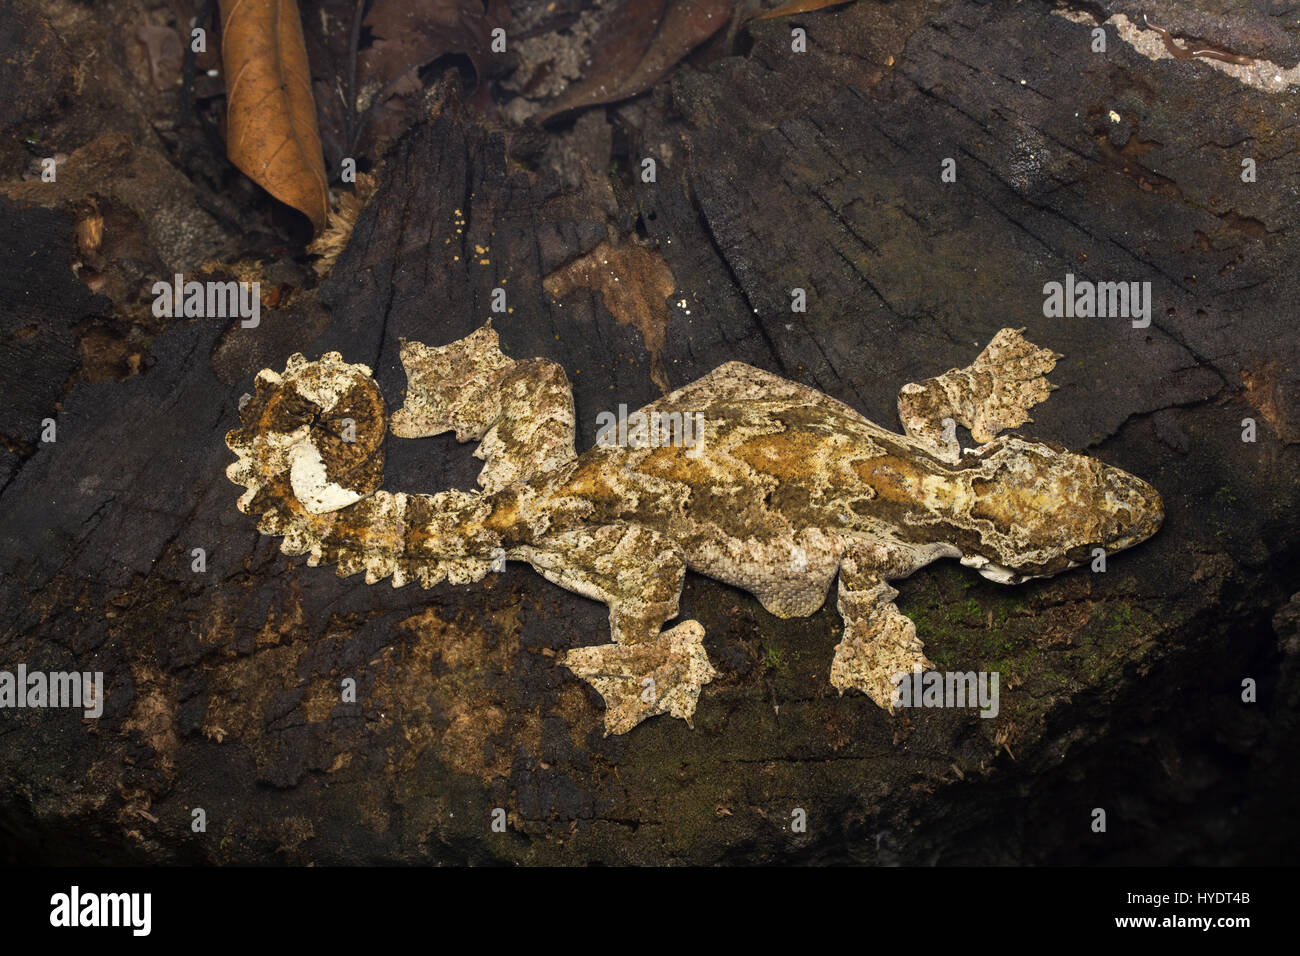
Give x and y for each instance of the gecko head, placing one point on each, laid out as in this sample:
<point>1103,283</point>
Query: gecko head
<point>1040,509</point>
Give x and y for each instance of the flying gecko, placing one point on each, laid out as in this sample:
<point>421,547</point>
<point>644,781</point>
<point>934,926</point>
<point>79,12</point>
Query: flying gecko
<point>786,490</point>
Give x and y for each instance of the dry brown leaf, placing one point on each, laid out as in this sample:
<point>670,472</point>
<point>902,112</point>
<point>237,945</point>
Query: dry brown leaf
<point>271,115</point>
<point>634,281</point>
<point>163,46</point>
<point>638,45</point>
<point>798,6</point>
<point>407,36</point>
<point>411,33</point>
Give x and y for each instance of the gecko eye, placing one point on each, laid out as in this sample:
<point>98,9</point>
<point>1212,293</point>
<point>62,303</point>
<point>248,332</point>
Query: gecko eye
<point>1081,553</point>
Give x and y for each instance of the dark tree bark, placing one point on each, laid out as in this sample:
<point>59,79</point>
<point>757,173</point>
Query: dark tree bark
<point>774,171</point>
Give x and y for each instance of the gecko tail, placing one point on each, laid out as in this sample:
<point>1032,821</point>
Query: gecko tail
<point>313,433</point>
<point>310,456</point>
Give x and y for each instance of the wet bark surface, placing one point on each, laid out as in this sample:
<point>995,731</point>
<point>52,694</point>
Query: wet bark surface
<point>773,171</point>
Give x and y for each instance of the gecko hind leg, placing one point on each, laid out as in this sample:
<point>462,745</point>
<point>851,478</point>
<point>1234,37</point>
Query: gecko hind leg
<point>639,574</point>
<point>879,641</point>
<point>521,413</point>
<point>661,675</point>
<point>993,393</point>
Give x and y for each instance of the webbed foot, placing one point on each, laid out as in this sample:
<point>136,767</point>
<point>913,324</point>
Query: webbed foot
<point>992,394</point>
<point>661,675</point>
<point>879,640</point>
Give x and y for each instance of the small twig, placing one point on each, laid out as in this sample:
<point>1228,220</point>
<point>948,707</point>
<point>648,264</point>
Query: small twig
<point>358,14</point>
<point>1185,53</point>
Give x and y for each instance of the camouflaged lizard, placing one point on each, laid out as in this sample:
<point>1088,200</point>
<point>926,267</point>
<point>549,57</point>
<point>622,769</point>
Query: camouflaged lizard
<point>789,489</point>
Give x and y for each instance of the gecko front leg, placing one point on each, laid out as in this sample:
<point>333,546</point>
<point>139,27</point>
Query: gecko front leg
<point>521,413</point>
<point>879,641</point>
<point>993,393</point>
<point>638,573</point>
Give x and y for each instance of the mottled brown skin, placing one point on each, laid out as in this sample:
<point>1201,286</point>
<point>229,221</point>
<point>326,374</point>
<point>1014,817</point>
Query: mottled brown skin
<point>776,467</point>
<point>789,489</point>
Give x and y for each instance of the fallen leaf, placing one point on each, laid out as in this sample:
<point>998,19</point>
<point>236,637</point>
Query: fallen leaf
<point>1266,386</point>
<point>637,46</point>
<point>798,6</point>
<point>634,282</point>
<point>271,115</point>
<point>409,36</point>
<point>90,229</point>
<point>163,46</point>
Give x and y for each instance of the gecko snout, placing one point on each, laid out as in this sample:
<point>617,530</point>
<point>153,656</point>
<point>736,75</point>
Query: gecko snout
<point>1134,508</point>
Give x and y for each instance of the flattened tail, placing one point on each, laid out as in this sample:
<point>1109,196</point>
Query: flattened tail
<point>309,454</point>
<point>388,536</point>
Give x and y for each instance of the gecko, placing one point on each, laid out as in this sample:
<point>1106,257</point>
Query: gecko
<point>788,491</point>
